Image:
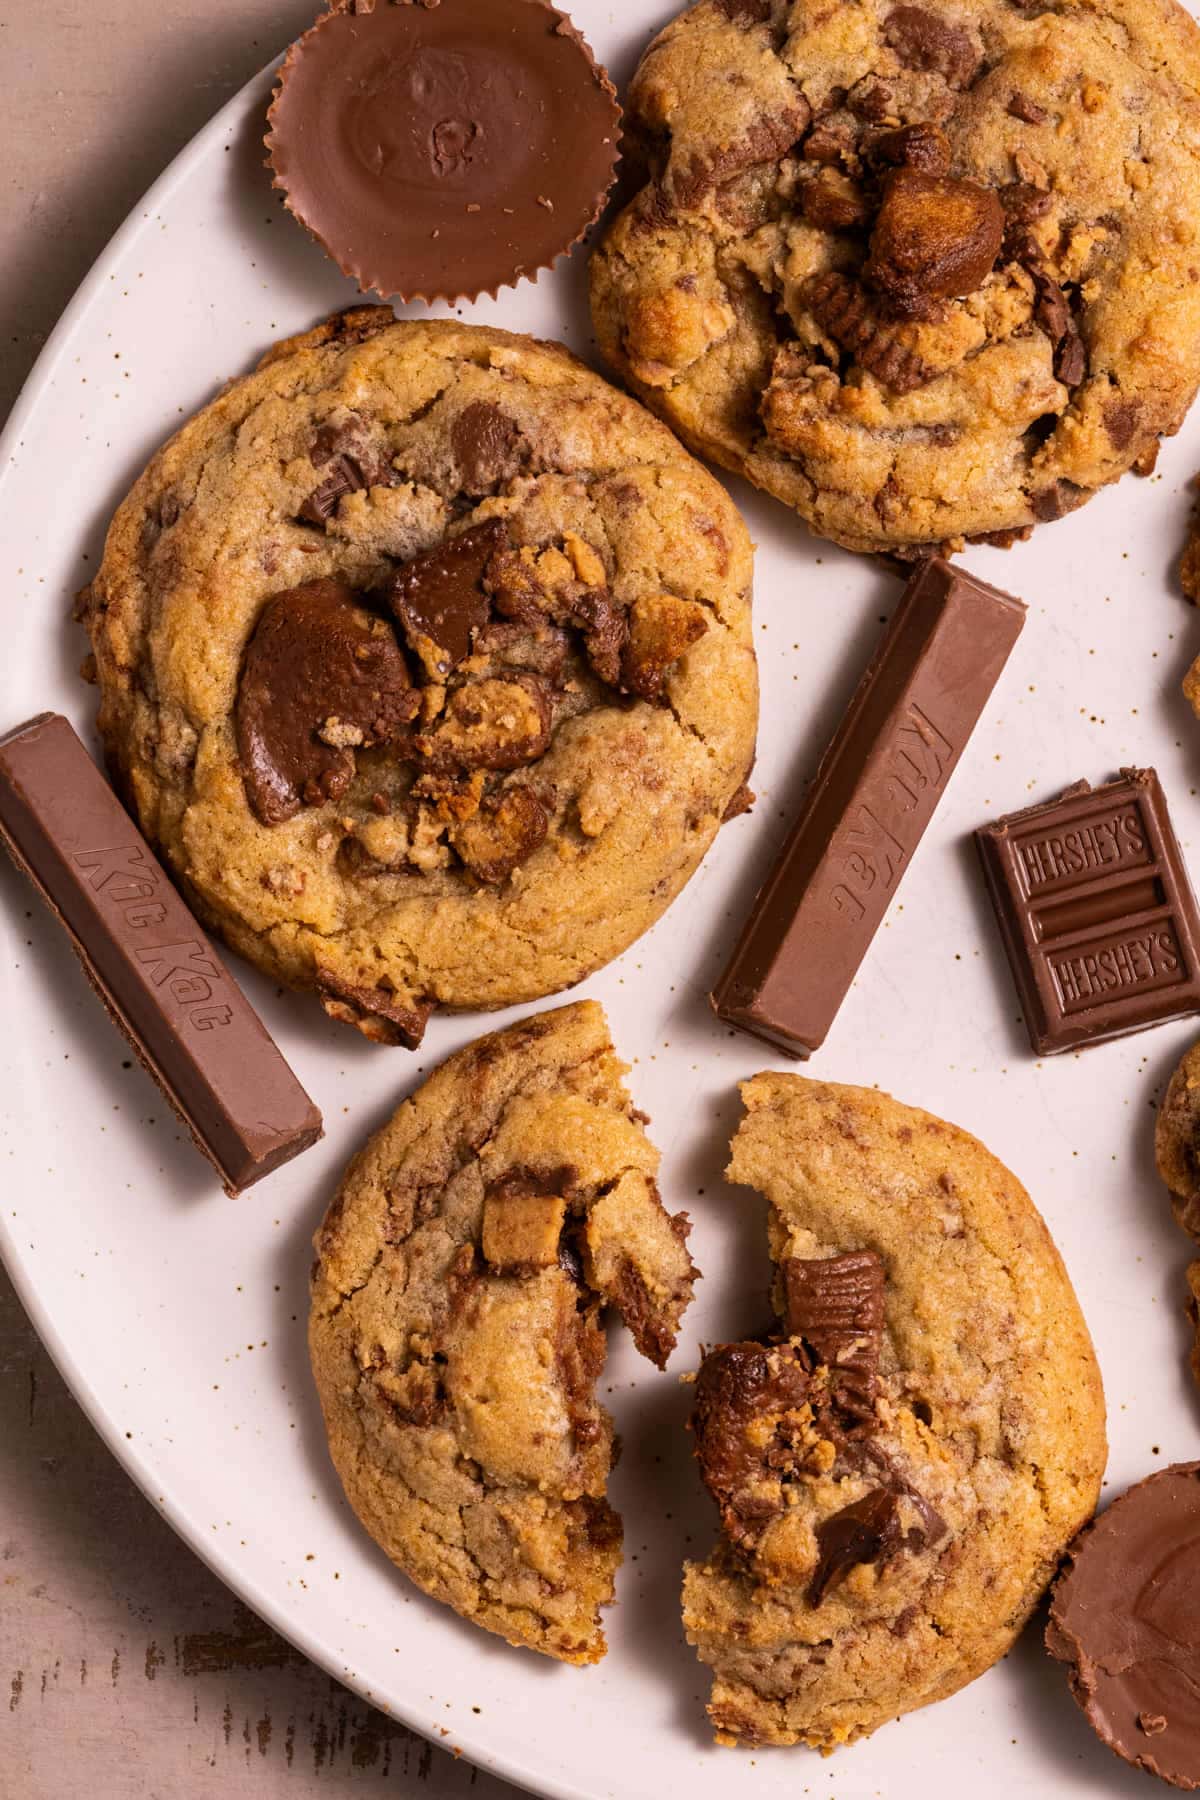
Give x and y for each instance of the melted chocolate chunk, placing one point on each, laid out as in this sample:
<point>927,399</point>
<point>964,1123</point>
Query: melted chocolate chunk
<point>1020,106</point>
<point>1121,421</point>
<point>502,835</point>
<point>1052,309</point>
<point>316,664</point>
<point>831,202</point>
<point>836,1306</point>
<point>752,1412</point>
<point>662,628</point>
<point>866,1532</point>
<point>930,41</point>
<point>921,146</point>
<point>540,647</point>
<point>490,724</point>
<point>351,462</point>
<point>439,598</point>
<point>487,446</point>
<point>745,12</point>
<point>605,633</point>
<point>846,313</point>
<point>377,1012</point>
<point>935,238</point>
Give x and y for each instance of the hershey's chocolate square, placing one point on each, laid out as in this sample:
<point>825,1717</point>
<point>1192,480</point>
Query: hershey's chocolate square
<point>1096,911</point>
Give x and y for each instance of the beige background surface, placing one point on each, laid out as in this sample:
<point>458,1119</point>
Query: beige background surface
<point>127,1672</point>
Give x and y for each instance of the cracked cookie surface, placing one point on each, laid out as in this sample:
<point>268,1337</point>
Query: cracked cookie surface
<point>1177,1154</point>
<point>425,659</point>
<point>455,1327</point>
<point>899,1467</point>
<point>923,272</point>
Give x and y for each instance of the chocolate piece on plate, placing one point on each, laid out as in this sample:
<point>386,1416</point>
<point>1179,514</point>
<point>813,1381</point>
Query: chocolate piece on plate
<point>1123,1617</point>
<point>1096,912</point>
<point>145,955</point>
<point>875,793</point>
<point>440,151</point>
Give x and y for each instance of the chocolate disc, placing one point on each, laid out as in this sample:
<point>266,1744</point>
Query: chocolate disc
<point>1124,1616</point>
<point>441,149</point>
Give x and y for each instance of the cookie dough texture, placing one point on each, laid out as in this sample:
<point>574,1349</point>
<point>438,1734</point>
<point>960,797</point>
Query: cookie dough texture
<point>989,1411</point>
<point>455,1326</point>
<point>350,453</point>
<point>1177,1140</point>
<point>940,367</point>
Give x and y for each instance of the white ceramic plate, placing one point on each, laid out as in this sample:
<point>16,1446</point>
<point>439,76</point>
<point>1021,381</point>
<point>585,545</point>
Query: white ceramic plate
<point>177,1315</point>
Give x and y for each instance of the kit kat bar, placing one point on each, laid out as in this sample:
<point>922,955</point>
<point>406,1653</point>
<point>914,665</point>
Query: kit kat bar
<point>144,953</point>
<point>875,792</point>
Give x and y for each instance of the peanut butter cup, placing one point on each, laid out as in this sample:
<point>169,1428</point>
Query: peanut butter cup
<point>438,149</point>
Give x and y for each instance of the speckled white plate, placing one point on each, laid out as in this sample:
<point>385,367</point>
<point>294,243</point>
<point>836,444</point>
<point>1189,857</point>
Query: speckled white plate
<point>177,1315</point>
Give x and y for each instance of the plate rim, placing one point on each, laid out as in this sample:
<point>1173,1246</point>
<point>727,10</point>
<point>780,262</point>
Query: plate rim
<point>156,1491</point>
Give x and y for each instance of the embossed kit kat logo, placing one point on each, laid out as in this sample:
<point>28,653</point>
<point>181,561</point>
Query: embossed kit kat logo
<point>186,970</point>
<point>880,833</point>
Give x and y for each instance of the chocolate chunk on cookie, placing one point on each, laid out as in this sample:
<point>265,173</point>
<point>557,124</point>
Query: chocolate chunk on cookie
<point>456,1325</point>
<point>889,263</point>
<point>321,679</point>
<point>899,1465</point>
<point>426,659</point>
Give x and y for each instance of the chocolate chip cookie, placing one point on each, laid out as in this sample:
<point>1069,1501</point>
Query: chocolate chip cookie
<point>425,659</point>
<point>923,272</point>
<point>1177,1154</point>
<point>899,1466</point>
<point>456,1331</point>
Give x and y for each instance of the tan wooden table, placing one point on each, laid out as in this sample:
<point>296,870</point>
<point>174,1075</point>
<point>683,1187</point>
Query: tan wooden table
<point>127,1672</point>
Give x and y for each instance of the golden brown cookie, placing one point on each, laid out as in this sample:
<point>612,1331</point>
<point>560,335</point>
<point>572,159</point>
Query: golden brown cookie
<point>1177,1153</point>
<point>425,660</point>
<point>898,1468</point>
<point>923,272</point>
<point>1177,1141</point>
<point>456,1334</point>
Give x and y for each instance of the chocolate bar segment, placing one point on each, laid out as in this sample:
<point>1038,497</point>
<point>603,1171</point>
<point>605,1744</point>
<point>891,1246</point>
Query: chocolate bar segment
<point>875,792</point>
<point>157,973</point>
<point>1096,912</point>
<point>836,1305</point>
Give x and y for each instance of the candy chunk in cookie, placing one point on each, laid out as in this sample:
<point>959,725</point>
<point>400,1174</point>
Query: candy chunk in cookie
<point>456,1327</point>
<point>425,657</point>
<point>321,679</point>
<point>934,238</point>
<point>898,1466</point>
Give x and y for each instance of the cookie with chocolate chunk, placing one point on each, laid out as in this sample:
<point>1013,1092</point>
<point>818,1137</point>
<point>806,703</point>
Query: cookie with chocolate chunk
<point>925,272</point>
<point>900,1464</point>
<point>425,660</point>
<point>1177,1154</point>
<point>456,1327</point>
<point>1177,1140</point>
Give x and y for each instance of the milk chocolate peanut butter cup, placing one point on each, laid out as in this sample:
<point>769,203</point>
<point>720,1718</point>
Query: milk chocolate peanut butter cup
<point>438,148</point>
<point>1124,1619</point>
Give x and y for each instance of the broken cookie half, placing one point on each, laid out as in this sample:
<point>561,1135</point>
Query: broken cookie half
<point>461,1274</point>
<point>899,1465</point>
